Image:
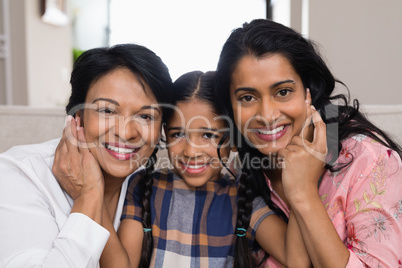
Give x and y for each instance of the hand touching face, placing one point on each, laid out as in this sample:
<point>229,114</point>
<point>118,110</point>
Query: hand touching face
<point>122,122</point>
<point>269,101</point>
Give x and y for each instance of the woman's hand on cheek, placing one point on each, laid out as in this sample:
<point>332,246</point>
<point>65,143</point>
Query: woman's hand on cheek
<point>75,168</point>
<point>303,161</point>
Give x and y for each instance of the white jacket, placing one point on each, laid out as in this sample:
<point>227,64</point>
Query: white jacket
<point>36,227</point>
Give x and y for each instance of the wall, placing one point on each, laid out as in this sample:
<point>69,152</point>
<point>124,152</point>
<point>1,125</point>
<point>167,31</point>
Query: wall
<point>48,47</point>
<point>361,41</point>
<point>2,61</point>
<point>18,45</point>
<point>41,57</point>
<point>90,23</point>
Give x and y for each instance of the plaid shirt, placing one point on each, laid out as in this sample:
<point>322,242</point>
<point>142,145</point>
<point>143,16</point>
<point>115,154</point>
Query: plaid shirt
<point>191,227</point>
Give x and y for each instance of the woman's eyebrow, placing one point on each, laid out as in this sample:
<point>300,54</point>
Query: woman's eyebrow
<point>246,89</point>
<point>251,89</point>
<point>281,82</point>
<point>146,107</point>
<point>108,100</point>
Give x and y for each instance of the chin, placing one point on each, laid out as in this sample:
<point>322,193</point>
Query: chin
<point>195,185</point>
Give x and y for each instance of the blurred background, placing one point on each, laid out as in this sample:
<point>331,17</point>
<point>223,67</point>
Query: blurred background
<point>361,40</point>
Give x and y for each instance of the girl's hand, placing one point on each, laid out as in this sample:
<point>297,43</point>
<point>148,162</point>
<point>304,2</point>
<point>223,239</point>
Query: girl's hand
<point>303,161</point>
<point>75,168</point>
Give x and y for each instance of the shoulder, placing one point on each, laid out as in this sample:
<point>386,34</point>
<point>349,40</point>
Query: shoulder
<point>21,152</point>
<point>139,174</point>
<point>29,161</point>
<point>25,174</point>
<point>365,159</point>
<point>363,150</point>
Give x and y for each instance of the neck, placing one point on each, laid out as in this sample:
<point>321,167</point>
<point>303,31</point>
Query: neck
<point>112,187</point>
<point>275,176</point>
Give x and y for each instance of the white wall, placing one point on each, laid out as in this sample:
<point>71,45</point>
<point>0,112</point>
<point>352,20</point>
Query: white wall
<point>187,34</point>
<point>41,57</point>
<point>2,59</point>
<point>49,59</point>
<point>362,42</point>
<point>360,39</point>
<point>89,20</point>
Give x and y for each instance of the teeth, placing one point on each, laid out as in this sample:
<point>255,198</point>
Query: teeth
<point>195,166</point>
<point>120,150</point>
<point>270,132</point>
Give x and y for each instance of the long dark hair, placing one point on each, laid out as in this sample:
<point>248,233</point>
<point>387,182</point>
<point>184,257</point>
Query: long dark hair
<point>149,70</point>
<point>190,85</point>
<point>260,38</point>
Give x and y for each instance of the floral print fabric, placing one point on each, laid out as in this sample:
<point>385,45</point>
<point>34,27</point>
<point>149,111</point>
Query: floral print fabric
<point>364,203</point>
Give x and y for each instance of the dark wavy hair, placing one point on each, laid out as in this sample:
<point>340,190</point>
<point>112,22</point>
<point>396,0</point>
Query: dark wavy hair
<point>149,70</point>
<point>260,38</point>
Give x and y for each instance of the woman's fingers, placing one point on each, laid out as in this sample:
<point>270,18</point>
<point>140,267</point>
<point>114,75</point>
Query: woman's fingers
<point>320,132</point>
<point>307,130</point>
<point>318,136</point>
<point>70,134</point>
<point>318,146</point>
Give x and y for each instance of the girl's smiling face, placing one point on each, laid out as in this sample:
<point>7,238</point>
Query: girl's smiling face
<point>121,121</point>
<point>193,133</point>
<point>268,100</point>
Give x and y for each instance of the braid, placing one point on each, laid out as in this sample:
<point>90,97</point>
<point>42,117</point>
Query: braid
<point>147,242</point>
<point>256,181</point>
<point>242,254</point>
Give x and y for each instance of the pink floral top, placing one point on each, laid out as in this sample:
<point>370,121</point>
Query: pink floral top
<point>364,202</point>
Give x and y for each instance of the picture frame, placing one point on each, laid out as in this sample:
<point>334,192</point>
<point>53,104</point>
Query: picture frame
<point>54,12</point>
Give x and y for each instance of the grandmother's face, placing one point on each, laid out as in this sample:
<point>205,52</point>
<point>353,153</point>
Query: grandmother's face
<point>122,122</point>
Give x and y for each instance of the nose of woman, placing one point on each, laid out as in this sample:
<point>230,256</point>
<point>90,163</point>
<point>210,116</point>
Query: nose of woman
<point>268,112</point>
<point>126,129</point>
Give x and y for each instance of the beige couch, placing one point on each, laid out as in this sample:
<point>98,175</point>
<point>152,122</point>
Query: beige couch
<point>25,125</point>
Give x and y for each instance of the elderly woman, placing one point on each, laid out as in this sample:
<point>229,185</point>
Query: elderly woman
<point>48,222</point>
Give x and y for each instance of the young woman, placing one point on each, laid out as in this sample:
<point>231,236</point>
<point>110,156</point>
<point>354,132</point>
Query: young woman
<point>49,220</point>
<point>266,72</point>
<point>186,216</point>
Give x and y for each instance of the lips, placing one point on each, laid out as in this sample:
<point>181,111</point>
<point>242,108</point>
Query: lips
<point>121,151</point>
<point>271,134</point>
<point>193,168</point>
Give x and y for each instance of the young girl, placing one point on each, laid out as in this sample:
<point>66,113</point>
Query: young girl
<point>187,216</point>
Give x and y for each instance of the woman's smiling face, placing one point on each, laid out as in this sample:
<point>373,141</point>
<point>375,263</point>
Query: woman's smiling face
<point>121,121</point>
<point>268,100</point>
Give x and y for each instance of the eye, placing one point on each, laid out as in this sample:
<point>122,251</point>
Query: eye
<point>209,135</point>
<point>246,98</point>
<point>284,92</point>
<point>144,118</point>
<point>147,117</point>
<point>106,110</point>
<point>177,135</point>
